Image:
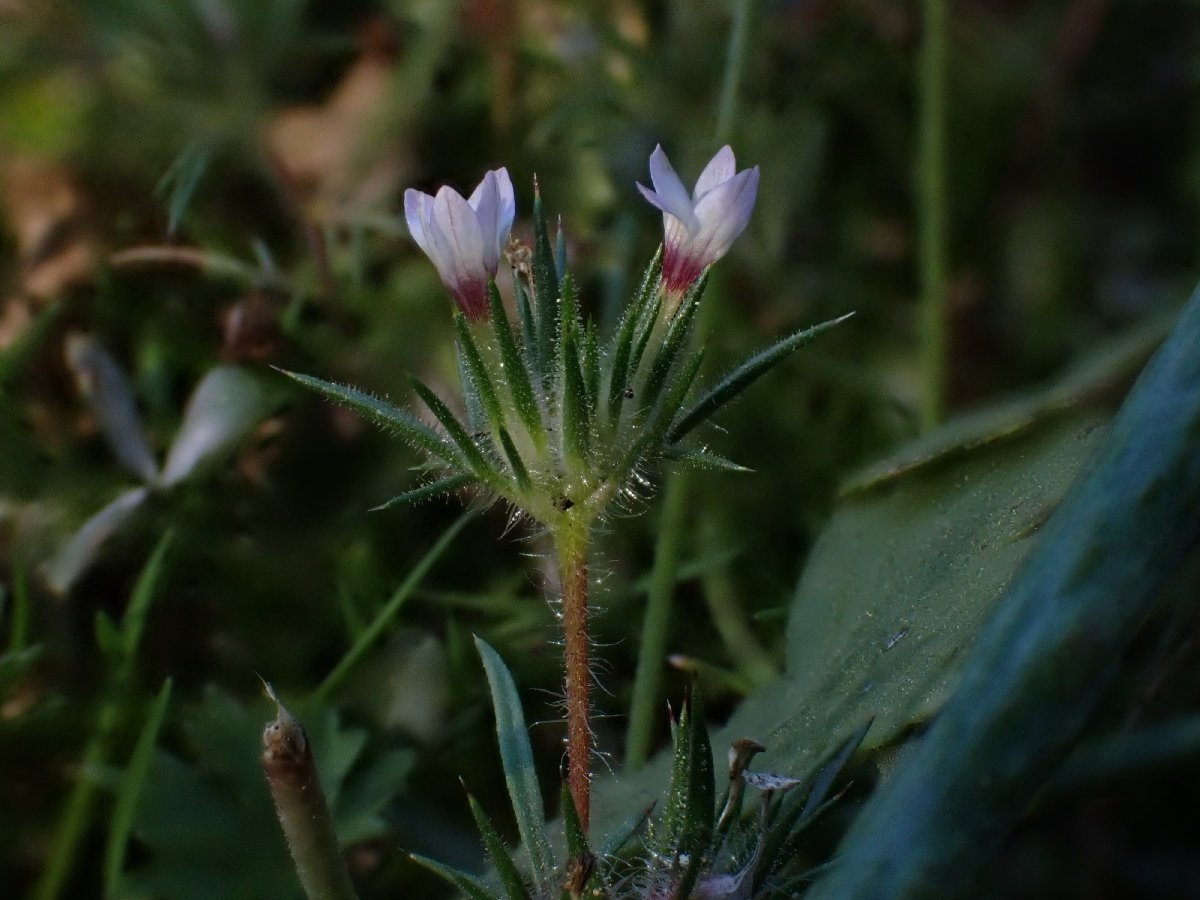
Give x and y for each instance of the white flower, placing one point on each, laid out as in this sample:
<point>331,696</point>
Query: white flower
<point>464,238</point>
<point>699,229</point>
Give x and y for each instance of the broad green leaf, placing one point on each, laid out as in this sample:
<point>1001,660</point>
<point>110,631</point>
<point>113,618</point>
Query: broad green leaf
<point>519,772</point>
<point>226,406</point>
<point>1046,657</point>
<point>897,586</point>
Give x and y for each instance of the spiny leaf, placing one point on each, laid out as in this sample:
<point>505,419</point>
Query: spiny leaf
<point>519,771</point>
<point>478,374</point>
<point>454,429</point>
<point>545,287</point>
<point>576,415</point>
<point>591,365</point>
<point>520,472</point>
<point>520,383</point>
<point>691,802</point>
<point>745,375</point>
<point>498,853</point>
<point>384,415</point>
<point>703,459</point>
<point>471,886</point>
<point>622,347</point>
<point>577,843</point>
<point>672,344</point>
<point>424,492</point>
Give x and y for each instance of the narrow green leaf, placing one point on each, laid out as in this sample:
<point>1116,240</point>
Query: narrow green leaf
<point>477,373</point>
<point>745,375</point>
<point>576,415</point>
<point>384,415</point>
<point>577,843</point>
<point>591,365</point>
<point>624,833</point>
<point>560,251</point>
<point>446,485</point>
<point>545,287</point>
<point>520,381</point>
<point>470,886</point>
<point>520,472</point>
<point>529,335</point>
<point>498,853</point>
<point>519,772</point>
<point>622,347</point>
<point>133,622</point>
<point>703,459</point>
<point>181,179</point>
<point>454,430</point>
<point>673,342</point>
<point>125,809</point>
<point>800,808</point>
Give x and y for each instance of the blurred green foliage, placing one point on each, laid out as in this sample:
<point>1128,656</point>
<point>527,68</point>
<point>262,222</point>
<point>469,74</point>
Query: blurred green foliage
<point>214,183</point>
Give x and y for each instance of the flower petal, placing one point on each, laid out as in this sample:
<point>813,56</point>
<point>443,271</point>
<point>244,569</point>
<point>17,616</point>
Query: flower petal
<point>724,213</point>
<point>672,196</point>
<point>418,209</point>
<point>720,168</point>
<point>457,239</point>
<point>495,208</point>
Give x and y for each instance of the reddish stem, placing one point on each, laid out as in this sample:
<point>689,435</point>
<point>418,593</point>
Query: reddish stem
<point>573,572</point>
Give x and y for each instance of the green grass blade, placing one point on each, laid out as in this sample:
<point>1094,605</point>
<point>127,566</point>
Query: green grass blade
<point>519,772</point>
<point>384,415</point>
<point>380,623</point>
<point>745,375</point>
<point>133,622</point>
<point>121,823</point>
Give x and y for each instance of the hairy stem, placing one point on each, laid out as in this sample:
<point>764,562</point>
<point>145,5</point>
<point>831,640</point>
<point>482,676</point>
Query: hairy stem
<point>571,543</point>
<point>300,804</point>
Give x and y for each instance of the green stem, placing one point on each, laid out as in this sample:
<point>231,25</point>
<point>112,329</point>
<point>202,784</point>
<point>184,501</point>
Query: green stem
<point>741,643</point>
<point>571,544</point>
<point>735,63</point>
<point>647,681</point>
<point>931,209</point>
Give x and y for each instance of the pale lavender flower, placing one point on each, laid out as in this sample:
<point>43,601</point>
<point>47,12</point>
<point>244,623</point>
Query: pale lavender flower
<point>464,238</point>
<point>699,229</point>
